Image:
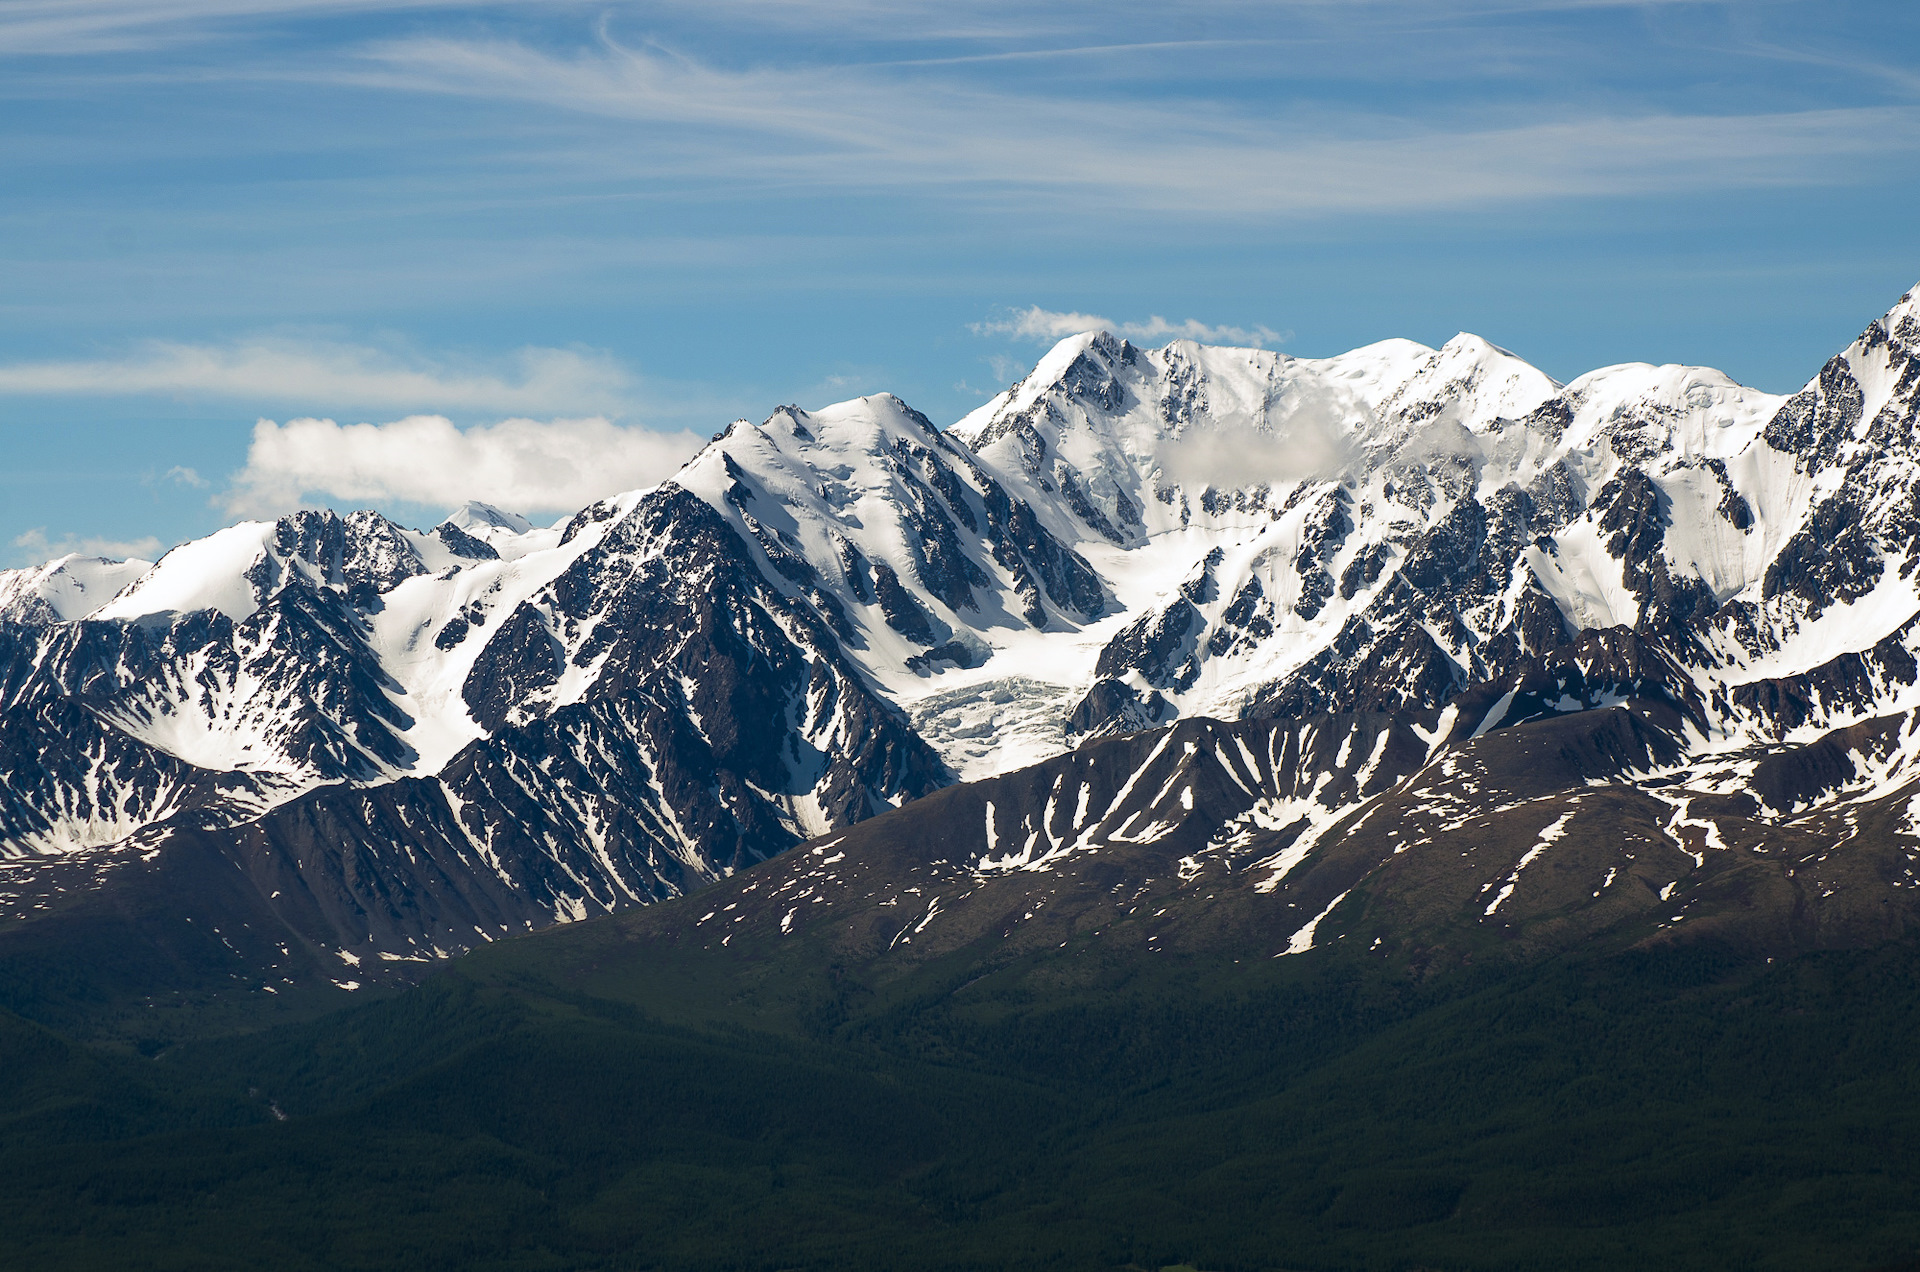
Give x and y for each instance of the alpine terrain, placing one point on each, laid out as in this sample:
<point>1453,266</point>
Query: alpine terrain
<point>1410,647</point>
<point>1205,809</point>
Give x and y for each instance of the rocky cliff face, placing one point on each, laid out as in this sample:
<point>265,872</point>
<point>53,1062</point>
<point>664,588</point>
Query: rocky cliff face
<point>1580,803</point>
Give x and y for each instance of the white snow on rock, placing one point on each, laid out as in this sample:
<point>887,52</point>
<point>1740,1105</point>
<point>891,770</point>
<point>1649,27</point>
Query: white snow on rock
<point>482,519</point>
<point>204,574</point>
<point>65,588</point>
<point>1230,512</point>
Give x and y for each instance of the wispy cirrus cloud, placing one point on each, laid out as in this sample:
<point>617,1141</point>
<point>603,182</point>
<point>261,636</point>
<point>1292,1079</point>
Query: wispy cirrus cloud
<point>874,121</point>
<point>329,375</point>
<point>845,127</point>
<point>86,26</point>
<point>1035,323</point>
<point>64,27</point>
<point>521,464</point>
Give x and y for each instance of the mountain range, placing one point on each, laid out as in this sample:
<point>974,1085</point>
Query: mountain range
<point>1412,647</point>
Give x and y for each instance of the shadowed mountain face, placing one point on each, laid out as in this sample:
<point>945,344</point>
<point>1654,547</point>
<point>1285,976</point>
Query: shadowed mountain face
<point>1571,807</point>
<point>1407,646</point>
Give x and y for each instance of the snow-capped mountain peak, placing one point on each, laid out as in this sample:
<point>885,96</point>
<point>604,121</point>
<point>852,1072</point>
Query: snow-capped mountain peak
<point>234,571</point>
<point>475,516</point>
<point>487,522</point>
<point>66,588</point>
<point>901,537</point>
<point>835,610</point>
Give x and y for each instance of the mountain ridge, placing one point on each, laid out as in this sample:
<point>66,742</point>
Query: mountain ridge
<point>465,732</point>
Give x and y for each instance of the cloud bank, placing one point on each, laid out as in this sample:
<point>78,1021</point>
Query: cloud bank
<point>520,464</point>
<point>1035,323</point>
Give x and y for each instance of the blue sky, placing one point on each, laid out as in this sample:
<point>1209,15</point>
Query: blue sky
<point>617,226</point>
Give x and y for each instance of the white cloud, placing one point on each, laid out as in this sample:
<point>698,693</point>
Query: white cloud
<point>868,127</point>
<point>1306,441</point>
<point>35,547</point>
<point>1035,323</point>
<point>86,26</point>
<point>95,26</point>
<point>326,375</point>
<point>181,475</point>
<point>1081,140</point>
<point>521,464</point>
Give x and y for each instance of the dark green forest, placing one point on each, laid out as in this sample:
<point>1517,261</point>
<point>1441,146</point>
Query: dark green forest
<point>589,1098</point>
